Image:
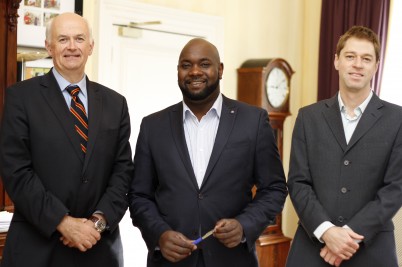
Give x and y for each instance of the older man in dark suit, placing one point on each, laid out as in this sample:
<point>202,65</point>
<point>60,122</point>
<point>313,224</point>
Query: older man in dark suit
<point>196,163</point>
<point>65,159</point>
<point>345,177</point>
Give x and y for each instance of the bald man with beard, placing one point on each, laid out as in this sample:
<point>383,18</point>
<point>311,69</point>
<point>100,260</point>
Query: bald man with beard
<point>195,165</point>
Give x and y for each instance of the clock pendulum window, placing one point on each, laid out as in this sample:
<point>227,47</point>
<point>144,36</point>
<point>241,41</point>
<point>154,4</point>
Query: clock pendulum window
<point>266,83</point>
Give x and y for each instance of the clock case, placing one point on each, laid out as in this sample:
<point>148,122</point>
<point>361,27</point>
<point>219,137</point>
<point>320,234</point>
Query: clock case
<point>252,77</point>
<point>272,246</point>
<point>251,88</point>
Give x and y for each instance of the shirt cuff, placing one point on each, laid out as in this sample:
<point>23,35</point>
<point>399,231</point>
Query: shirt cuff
<point>320,230</point>
<point>243,239</point>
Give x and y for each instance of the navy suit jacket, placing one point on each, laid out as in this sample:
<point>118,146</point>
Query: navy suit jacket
<point>47,177</point>
<point>164,194</point>
<point>358,184</point>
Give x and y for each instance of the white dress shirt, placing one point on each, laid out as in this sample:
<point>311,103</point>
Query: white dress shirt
<point>200,136</point>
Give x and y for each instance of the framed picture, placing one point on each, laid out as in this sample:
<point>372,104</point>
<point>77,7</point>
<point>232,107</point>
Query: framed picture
<point>33,16</point>
<point>36,68</point>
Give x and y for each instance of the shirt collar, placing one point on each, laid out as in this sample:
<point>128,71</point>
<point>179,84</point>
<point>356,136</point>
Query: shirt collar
<point>63,83</point>
<point>362,106</point>
<point>217,106</point>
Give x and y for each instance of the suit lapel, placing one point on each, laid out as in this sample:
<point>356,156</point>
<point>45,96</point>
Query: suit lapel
<point>226,122</point>
<point>176,123</point>
<point>333,118</point>
<point>52,93</point>
<point>369,117</point>
<point>94,118</point>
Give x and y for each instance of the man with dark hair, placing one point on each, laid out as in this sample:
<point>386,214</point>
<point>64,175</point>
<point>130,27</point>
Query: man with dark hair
<point>345,176</point>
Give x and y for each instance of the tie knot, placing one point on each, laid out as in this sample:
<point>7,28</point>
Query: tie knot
<point>73,90</point>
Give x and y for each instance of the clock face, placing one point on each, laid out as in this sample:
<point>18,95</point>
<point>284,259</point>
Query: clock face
<point>277,87</point>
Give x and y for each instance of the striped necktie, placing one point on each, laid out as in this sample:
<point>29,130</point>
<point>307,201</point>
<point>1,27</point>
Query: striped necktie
<point>77,109</point>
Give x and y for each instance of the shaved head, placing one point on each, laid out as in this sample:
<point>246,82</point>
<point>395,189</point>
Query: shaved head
<point>199,43</point>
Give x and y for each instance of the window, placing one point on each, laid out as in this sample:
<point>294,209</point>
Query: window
<point>391,90</point>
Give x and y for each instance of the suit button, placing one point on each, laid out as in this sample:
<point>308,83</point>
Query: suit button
<point>200,196</point>
<point>340,219</point>
<point>84,180</point>
<point>346,162</point>
<point>344,190</point>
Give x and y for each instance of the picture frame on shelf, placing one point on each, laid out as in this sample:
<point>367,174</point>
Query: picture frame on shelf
<point>37,68</point>
<point>33,16</point>
<point>32,63</point>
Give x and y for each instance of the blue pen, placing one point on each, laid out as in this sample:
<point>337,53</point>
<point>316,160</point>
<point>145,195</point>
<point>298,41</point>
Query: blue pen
<point>197,241</point>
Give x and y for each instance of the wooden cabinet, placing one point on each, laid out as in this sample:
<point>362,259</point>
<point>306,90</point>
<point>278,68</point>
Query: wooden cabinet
<point>8,75</point>
<point>8,64</point>
<point>272,250</point>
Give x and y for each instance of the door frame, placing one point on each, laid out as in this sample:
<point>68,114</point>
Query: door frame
<point>115,12</point>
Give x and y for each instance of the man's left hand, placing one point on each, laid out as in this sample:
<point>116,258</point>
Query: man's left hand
<point>229,232</point>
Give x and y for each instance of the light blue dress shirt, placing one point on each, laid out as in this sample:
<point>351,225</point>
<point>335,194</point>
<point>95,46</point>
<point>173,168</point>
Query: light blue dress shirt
<point>63,83</point>
<point>350,123</point>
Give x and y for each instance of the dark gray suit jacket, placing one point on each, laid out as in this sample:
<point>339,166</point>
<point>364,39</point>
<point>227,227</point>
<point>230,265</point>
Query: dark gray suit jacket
<point>46,175</point>
<point>164,193</point>
<point>357,184</point>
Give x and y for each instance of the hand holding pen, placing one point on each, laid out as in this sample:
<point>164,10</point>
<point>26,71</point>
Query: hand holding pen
<point>174,246</point>
<point>229,232</point>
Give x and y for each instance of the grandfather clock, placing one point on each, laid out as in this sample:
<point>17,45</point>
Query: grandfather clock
<point>266,83</point>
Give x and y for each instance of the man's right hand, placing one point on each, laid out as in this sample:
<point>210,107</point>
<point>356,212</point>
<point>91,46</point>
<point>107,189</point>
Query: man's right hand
<point>175,246</point>
<point>78,233</point>
<point>342,242</point>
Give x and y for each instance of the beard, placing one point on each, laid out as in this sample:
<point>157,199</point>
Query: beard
<point>197,96</point>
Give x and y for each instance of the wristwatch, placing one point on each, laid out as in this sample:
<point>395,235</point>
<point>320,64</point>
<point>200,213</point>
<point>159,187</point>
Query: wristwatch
<point>100,224</point>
